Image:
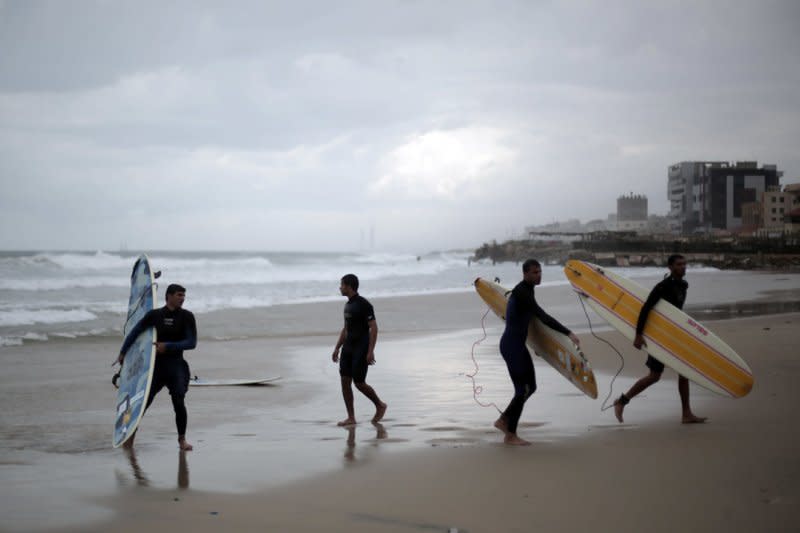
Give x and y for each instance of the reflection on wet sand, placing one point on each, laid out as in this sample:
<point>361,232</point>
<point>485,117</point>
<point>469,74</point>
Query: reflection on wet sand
<point>138,473</point>
<point>183,471</point>
<point>143,480</point>
<point>742,309</point>
<point>350,446</point>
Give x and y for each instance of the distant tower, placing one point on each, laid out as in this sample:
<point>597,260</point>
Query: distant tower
<point>631,212</point>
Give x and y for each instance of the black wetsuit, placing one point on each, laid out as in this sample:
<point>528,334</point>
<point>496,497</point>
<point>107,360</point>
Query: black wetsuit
<point>178,330</point>
<point>672,290</point>
<point>521,309</point>
<point>358,313</point>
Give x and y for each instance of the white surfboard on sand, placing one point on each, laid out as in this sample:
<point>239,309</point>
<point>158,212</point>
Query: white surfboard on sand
<point>202,382</point>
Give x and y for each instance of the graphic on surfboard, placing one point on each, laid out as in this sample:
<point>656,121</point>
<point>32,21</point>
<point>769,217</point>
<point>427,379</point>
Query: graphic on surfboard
<point>552,346</point>
<point>672,336</point>
<point>137,369</point>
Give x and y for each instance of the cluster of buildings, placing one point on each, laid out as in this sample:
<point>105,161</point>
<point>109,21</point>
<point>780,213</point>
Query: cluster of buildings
<point>706,198</point>
<point>718,197</point>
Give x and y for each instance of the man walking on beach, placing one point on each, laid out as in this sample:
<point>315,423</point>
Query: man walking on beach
<point>357,343</point>
<point>176,331</point>
<point>520,310</point>
<point>673,290</point>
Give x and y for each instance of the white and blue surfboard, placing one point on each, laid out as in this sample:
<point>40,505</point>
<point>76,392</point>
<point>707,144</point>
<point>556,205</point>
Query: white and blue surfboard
<point>137,369</point>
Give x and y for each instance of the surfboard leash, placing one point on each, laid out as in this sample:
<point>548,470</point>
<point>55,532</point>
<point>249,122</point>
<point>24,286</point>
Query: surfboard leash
<point>603,407</point>
<point>477,389</point>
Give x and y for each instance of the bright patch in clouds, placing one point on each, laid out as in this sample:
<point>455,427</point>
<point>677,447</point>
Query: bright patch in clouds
<point>445,162</point>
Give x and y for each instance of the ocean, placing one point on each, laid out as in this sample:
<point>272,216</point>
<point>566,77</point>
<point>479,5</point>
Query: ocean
<point>49,295</point>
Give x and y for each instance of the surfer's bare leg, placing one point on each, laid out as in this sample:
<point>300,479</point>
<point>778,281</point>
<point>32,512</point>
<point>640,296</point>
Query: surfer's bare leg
<point>639,386</point>
<point>347,394</point>
<point>369,392</point>
<point>501,424</point>
<point>687,416</point>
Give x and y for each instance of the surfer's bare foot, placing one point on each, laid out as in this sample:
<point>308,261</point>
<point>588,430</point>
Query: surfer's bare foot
<point>349,421</point>
<point>618,408</point>
<point>692,419</point>
<point>379,412</point>
<point>500,424</point>
<point>185,446</point>
<point>513,440</point>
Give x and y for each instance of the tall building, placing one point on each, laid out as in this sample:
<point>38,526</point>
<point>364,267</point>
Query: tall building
<point>708,195</point>
<point>631,212</point>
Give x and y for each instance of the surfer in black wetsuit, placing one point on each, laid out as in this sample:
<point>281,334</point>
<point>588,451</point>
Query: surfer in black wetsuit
<point>176,331</point>
<point>357,343</point>
<point>673,290</point>
<point>520,310</point>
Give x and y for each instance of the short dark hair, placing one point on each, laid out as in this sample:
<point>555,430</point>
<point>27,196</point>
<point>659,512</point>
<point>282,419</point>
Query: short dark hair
<point>173,288</point>
<point>529,264</point>
<point>674,257</point>
<point>351,280</point>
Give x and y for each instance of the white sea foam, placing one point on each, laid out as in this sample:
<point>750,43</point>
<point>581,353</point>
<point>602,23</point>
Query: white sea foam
<point>44,316</point>
<point>10,341</point>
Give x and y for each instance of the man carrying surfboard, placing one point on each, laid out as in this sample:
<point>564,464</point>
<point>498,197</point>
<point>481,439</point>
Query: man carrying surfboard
<point>176,331</point>
<point>357,343</point>
<point>521,309</point>
<point>673,290</point>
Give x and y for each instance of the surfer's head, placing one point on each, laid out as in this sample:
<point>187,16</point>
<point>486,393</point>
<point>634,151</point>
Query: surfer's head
<point>532,271</point>
<point>677,265</point>
<point>175,296</point>
<point>349,286</point>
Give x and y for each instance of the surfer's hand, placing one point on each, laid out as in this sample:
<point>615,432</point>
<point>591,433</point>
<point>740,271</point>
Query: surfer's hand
<point>574,338</point>
<point>161,347</point>
<point>335,355</point>
<point>120,359</point>
<point>371,358</point>
<point>638,342</point>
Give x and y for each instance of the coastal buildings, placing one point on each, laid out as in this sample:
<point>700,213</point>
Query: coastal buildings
<point>772,212</point>
<point>707,196</point>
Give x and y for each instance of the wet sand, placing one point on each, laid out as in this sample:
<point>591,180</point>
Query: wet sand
<point>272,458</point>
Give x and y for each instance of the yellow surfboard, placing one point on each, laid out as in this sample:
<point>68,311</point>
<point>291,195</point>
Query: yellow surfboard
<point>552,346</point>
<point>672,336</point>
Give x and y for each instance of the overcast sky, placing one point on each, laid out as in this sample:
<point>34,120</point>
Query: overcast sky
<point>299,125</point>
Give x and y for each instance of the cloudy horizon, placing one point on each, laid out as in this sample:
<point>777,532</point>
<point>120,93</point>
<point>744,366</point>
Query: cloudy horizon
<point>437,125</point>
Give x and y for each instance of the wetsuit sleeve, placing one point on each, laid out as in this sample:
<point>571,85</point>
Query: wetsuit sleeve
<point>369,312</point>
<point>147,321</point>
<point>547,320</point>
<point>652,300</point>
<point>189,342</point>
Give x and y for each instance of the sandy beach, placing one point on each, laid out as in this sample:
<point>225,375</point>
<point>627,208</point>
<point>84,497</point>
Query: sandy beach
<point>272,458</point>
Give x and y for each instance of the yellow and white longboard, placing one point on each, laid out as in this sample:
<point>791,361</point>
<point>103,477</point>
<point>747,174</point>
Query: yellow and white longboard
<point>552,346</point>
<point>672,336</point>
